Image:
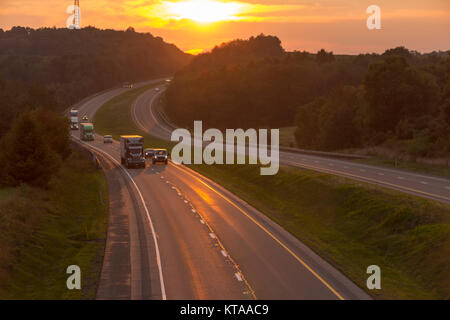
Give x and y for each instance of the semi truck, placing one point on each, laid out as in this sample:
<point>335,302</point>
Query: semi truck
<point>87,132</point>
<point>74,123</point>
<point>73,115</point>
<point>132,151</point>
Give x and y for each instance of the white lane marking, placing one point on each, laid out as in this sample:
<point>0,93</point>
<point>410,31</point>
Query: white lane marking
<point>158,256</point>
<point>238,276</point>
<point>202,222</point>
<point>179,194</point>
<point>224,253</point>
<point>447,188</point>
<point>172,187</point>
<point>185,201</point>
<point>193,210</point>
<point>401,178</point>
<point>212,236</point>
<point>423,182</point>
<point>380,174</point>
<point>187,171</point>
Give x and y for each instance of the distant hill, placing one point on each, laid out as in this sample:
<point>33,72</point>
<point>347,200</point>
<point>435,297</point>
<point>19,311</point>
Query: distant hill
<point>238,51</point>
<point>335,102</point>
<point>76,63</point>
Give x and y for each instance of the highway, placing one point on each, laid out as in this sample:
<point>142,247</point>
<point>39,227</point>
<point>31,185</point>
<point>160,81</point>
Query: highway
<point>147,116</point>
<point>174,234</point>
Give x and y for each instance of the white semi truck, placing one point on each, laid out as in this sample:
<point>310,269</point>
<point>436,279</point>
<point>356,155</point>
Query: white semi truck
<point>74,124</point>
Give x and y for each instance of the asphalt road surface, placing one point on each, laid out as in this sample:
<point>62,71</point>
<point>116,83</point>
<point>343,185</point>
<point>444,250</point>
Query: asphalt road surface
<point>149,118</point>
<point>174,234</point>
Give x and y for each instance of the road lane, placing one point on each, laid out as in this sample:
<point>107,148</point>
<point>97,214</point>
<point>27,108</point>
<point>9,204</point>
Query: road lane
<point>148,117</point>
<point>215,246</point>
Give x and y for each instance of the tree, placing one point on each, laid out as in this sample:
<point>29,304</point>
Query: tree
<point>398,51</point>
<point>27,157</point>
<point>55,130</point>
<point>324,57</point>
<point>307,122</point>
<point>338,120</point>
<point>397,91</point>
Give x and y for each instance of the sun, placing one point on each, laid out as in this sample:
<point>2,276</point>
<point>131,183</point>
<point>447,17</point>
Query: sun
<point>204,11</point>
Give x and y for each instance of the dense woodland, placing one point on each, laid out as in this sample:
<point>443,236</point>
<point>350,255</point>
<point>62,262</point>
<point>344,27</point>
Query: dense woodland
<point>76,63</point>
<point>44,71</point>
<point>335,101</point>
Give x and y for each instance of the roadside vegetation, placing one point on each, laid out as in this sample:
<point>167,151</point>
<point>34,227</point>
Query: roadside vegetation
<point>53,204</point>
<point>335,102</point>
<point>43,231</point>
<point>350,224</point>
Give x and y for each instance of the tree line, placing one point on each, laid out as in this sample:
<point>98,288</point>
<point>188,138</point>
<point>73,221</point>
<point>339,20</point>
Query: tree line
<point>35,137</point>
<point>334,101</point>
<point>45,71</point>
<point>77,63</point>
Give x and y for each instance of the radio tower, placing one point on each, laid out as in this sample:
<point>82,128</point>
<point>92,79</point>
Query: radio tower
<point>76,15</point>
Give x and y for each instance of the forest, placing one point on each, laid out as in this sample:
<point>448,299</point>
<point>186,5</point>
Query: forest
<point>76,63</point>
<point>335,102</point>
<point>45,71</point>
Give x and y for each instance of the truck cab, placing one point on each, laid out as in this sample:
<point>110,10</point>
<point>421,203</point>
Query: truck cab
<point>74,113</point>
<point>74,123</point>
<point>132,151</point>
<point>87,132</point>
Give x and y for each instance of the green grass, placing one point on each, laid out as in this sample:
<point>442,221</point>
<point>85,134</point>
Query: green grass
<point>114,118</point>
<point>42,232</point>
<point>350,224</point>
<point>354,225</point>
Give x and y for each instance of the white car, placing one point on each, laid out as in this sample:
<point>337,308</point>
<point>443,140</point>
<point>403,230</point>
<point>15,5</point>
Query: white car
<point>107,139</point>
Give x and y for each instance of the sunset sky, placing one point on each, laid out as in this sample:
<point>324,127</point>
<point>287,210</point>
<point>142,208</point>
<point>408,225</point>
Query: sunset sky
<point>196,25</point>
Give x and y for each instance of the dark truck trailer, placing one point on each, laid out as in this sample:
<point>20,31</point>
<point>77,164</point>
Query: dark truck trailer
<point>132,151</point>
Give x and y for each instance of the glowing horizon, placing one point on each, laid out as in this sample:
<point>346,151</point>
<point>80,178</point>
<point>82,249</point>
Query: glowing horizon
<point>198,25</point>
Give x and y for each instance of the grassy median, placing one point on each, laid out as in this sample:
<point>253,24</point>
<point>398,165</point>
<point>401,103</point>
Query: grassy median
<point>350,224</point>
<point>42,232</point>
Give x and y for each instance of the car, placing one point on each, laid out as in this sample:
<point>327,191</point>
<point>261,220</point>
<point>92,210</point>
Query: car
<point>148,153</point>
<point>85,118</point>
<point>160,155</point>
<point>127,85</point>
<point>107,139</point>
